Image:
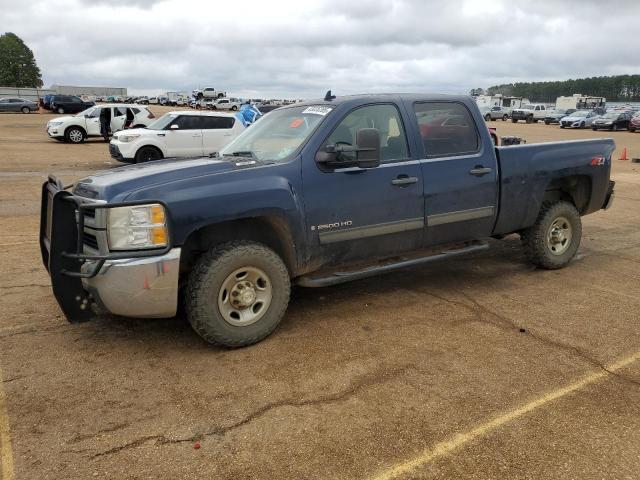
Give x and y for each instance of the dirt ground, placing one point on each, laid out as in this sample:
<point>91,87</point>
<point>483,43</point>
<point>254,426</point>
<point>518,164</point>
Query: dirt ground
<point>478,368</point>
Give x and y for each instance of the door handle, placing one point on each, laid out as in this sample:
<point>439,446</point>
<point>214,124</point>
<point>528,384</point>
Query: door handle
<point>196,135</point>
<point>404,180</point>
<point>479,170</point>
<point>161,134</point>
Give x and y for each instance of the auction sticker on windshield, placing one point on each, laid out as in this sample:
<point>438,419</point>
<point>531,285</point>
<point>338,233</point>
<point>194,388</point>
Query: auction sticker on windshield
<point>318,110</point>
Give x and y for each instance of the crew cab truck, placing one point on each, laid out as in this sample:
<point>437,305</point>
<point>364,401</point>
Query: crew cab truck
<point>529,113</point>
<point>315,194</point>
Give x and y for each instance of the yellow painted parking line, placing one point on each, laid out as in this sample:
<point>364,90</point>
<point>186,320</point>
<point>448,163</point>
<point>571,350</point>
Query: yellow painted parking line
<point>459,440</point>
<point>6,454</point>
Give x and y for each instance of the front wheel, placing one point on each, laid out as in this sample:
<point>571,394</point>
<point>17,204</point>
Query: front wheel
<point>547,122</point>
<point>74,135</point>
<point>148,154</point>
<point>237,293</point>
<point>487,117</point>
<point>631,129</point>
<point>234,108</point>
<point>529,120</point>
<point>505,117</point>
<point>25,110</point>
<point>554,239</point>
<point>513,120</point>
<point>614,127</point>
<point>60,110</point>
<point>582,125</point>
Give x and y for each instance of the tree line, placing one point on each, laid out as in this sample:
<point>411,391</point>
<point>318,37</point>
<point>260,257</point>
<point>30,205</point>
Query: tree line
<point>18,66</point>
<point>618,88</point>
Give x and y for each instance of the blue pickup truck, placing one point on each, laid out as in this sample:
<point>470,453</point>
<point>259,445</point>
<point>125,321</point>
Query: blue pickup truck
<point>315,194</point>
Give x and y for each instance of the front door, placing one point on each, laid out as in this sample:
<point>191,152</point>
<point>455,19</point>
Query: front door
<point>365,213</point>
<point>92,122</point>
<point>118,119</point>
<point>186,139</point>
<point>460,174</point>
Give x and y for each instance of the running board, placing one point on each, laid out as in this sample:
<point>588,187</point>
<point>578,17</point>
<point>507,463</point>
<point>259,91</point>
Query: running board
<point>335,278</point>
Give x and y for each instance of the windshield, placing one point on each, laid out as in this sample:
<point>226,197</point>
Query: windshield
<point>278,134</point>
<point>88,112</point>
<point>162,122</point>
<point>580,113</point>
<point>611,115</point>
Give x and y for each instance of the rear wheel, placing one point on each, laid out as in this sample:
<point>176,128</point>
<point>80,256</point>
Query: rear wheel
<point>60,110</point>
<point>234,108</point>
<point>148,154</point>
<point>505,117</point>
<point>487,117</point>
<point>547,122</point>
<point>529,119</point>
<point>513,120</point>
<point>237,293</point>
<point>614,127</point>
<point>74,135</point>
<point>554,239</point>
<point>25,110</point>
<point>594,128</point>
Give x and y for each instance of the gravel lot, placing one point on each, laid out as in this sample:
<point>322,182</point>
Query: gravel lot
<point>477,368</point>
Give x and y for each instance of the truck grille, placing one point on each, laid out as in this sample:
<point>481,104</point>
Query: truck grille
<point>90,240</point>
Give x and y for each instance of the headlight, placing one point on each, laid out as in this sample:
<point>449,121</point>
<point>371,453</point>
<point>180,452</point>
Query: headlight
<point>127,138</point>
<point>54,124</point>
<point>137,227</point>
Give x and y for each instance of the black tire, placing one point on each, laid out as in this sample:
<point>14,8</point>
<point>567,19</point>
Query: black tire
<point>206,282</point>
<point>234,108</point>
<point>505,117</point>
<point>74,135</point>
<point>529,119</point>
<point>582,125</point>
<point>25,110</point>
<point>60,110</point>
<point>547,122</point>
<point>148,154</point>
<point>535,239</point>
<point>513,120</point>
<point>614,127</point>
<point>487,117</point>
<point>561,126</point>
<point>594,128</point>
<point>631,129</point>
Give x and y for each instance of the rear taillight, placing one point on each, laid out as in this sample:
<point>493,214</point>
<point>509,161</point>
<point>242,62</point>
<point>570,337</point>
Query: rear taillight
<point>151,115</point>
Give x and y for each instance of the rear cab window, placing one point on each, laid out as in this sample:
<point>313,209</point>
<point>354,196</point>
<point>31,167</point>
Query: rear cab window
<point>447,129</point>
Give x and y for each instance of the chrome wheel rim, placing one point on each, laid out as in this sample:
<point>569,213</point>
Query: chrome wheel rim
<point>559,236</point>
<point>75,136</point>
<point>245,296</point>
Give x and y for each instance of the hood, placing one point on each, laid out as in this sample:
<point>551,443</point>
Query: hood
<point>66,118</point>
<point>135,131</point>
<point>573,119</point>
<point>118,183</point>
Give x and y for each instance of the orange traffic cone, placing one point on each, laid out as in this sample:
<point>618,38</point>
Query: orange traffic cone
<point>624,154</point>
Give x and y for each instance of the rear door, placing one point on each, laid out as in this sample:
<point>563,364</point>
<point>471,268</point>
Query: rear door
<point>186,140</point>
<point>459,171</point>
<point>217,131</point>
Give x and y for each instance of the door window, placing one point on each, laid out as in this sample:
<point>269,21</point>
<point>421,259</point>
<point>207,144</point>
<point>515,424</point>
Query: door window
<point>210,123</point>
<point>119,111</point>
<point>386,118</point>
<point>447,129</point>
<point>187,122</point>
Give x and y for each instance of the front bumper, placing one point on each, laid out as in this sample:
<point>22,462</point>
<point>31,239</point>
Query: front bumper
<point>87,279</point>
<point>119,152</point>
<point>136,287</point>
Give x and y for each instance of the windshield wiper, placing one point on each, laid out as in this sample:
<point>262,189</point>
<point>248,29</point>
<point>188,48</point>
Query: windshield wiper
<point>242,153</point>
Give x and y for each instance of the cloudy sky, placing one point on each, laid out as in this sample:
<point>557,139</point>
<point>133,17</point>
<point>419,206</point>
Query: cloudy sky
<point>301,48</point>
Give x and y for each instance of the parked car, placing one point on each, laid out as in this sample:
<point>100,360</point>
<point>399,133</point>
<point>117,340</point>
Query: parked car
<point>153,101</point>
<point>144,100</point>
<point>68,104</point>
<point>529,113</point>
<point>497,112</point>
<point>554,116</point>
<point>16,104</point>
<point>176,134</point>
<point>283,203</point>
<point>634,123</point>
<point>226,104</point>
<point>578,119</point>
<point>612,121</point>
<point>77,128</point>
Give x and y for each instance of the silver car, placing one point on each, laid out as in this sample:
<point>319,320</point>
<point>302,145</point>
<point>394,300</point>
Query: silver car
<point>579,119</point>
<point>496,113</point>
<point>15,104</point>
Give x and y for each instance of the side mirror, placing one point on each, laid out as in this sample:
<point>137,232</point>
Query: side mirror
<point>367,151</point>
<point>174,127</point>
<point>368,147</point>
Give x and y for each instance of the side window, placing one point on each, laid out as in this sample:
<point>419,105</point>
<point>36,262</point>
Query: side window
<point>187,122</point>
<point>211,122</point>
<point>119,111</point>
<point>135,111</point>
<point>386,118</point>
<point>447,129</point>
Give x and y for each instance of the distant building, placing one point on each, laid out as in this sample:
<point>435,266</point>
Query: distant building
<point>97,91</point>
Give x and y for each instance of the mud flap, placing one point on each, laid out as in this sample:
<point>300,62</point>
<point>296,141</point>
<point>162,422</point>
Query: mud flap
<point>59,237</point>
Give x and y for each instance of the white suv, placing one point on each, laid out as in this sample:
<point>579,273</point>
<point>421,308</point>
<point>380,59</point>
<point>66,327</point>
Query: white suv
<point>77,128</point>
<point>176,134</point>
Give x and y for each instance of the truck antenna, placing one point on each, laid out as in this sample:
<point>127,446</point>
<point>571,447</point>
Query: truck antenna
<point>328,97</point>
